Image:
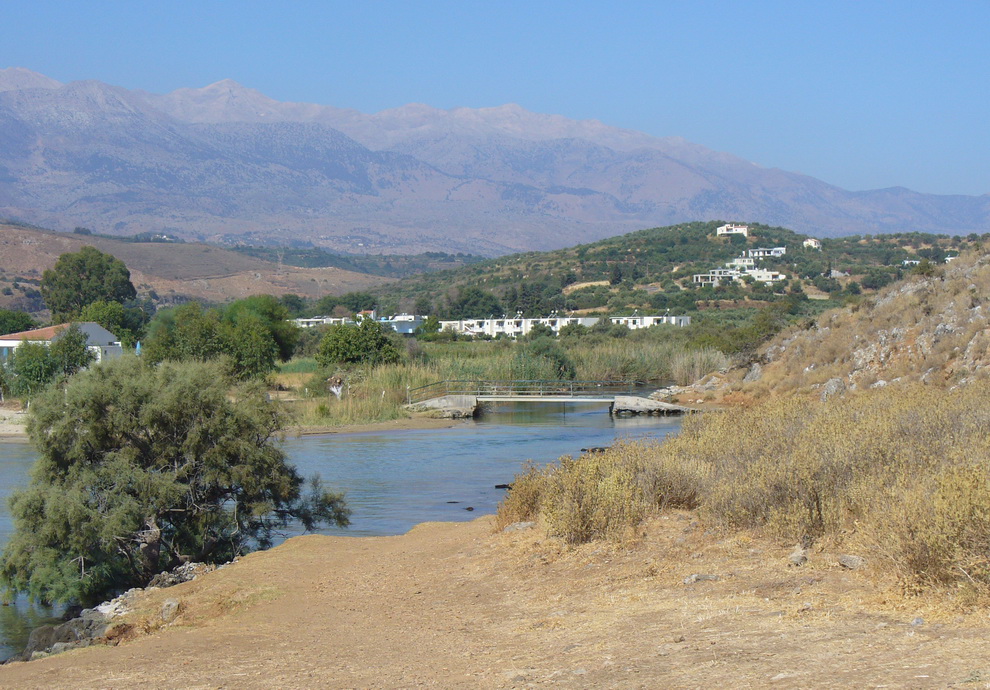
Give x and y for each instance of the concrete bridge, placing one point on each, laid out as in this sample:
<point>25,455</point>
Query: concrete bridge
<point>460,398</point>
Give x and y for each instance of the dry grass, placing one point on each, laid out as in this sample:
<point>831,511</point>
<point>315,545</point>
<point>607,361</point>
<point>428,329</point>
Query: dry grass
<point>903,471</point>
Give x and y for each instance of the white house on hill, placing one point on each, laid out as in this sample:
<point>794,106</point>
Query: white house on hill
<point>764,253</point>
<point>100,341</point>
<point>732,229</point>
<point>812,243</point>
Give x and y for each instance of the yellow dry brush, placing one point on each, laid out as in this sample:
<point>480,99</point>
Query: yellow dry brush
<point>904,470</point>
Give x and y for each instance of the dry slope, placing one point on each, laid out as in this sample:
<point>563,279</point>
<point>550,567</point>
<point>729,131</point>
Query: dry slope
<point>934,329</point>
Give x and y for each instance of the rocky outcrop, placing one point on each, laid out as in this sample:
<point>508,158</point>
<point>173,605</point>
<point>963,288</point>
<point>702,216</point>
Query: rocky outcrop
<point>448,406</point>
<point>94,626</point>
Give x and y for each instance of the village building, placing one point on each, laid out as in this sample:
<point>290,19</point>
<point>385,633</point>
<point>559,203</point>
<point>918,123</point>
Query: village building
<point>763,253</point>
<point>716,276</point>
<point>741,263</point>
<point>762,275</point>
<point>732,229</point>
<point>101,342</point>
<point>514,327</point>
<point>812,243</point>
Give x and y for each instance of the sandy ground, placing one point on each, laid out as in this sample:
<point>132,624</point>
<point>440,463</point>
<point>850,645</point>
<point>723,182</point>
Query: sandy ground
<point>456,605</point>
<point>12,421</point>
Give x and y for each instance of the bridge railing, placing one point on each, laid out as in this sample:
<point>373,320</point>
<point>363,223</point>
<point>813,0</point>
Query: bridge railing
<point>521,389</point>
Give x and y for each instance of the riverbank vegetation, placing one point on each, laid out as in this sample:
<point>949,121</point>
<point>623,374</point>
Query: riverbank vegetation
<point>378,392</point>
<point>899,474</point>
<point>142,467</point>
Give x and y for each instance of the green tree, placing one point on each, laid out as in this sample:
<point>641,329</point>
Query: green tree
<point>429,328</point>
<point>143,467</point>
<point>266,311</point>
<point>15,321</point>
<point>185,332</point>
<point>84,277</point>
<point>32,366</point>
<point>363,343</point>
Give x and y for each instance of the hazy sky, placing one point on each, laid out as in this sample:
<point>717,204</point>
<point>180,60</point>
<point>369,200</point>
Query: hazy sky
<point>860,94</point>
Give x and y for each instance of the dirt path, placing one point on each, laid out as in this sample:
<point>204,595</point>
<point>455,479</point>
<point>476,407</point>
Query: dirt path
<point>452,605</point>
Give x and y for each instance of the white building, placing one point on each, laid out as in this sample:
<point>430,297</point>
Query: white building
<point>762,275</point>
<point>911,262</point>
<point>715,276</point>
<point>741,263</point>
<point>812,243</point>
<point>406,324</point>
<point>101,342</point>
<point>516,326</point>
<point>315,321</point>
<point>763,253</point>
<point>636,321</point>
<point>732,229</point>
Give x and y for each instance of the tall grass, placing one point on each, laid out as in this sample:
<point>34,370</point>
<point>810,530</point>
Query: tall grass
<point>904,470</point>
<point>378,393</point>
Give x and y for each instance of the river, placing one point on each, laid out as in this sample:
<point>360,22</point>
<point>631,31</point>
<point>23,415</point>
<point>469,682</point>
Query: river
<point>395,480</point>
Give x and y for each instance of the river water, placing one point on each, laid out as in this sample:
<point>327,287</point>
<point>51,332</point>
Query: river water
<point>397,479</point>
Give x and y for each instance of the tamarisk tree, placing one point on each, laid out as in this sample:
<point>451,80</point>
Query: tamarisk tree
<point>142,467</point>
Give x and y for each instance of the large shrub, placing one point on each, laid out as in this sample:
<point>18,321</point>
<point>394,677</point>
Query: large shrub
<point>363,343</point>
<point>142,467</point>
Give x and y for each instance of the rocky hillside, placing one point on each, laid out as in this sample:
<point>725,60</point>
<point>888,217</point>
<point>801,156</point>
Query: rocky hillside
<point>225,163</point>
<point>934,329</point>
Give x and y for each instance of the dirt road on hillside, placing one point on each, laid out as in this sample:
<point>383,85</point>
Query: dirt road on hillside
<point>453,605</point>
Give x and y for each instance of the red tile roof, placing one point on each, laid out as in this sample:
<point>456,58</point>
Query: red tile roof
<point>37,334</point>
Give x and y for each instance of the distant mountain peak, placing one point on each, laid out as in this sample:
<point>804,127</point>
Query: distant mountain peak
<point>226,161</point>
<point>16,78</point>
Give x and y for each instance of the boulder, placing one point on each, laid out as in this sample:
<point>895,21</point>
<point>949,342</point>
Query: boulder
<point>833,387</point>
<point>851,562</point>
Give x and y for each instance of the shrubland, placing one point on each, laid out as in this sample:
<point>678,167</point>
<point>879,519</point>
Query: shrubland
<point>900,473</point>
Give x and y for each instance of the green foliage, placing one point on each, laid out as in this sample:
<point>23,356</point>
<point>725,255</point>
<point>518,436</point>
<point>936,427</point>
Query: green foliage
<point>267,313</point>
<point>15,321</point>
<point>84,277</point>
<point>473,302</point>
<point>544,354</point>
<point>362,343</point>
<point>251,333</point>
<point>33,366</point>
<point>429,328</point>
<point>142,467</point>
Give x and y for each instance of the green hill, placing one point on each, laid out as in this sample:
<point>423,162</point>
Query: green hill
<point>652,270</point>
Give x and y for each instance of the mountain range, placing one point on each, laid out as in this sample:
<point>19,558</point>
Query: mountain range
<point>227,164</point>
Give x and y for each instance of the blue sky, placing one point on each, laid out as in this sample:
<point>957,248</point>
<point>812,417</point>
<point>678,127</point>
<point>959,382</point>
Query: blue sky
<point>860,94</point>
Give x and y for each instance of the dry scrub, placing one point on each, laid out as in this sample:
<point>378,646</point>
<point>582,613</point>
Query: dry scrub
<point>903,472</point>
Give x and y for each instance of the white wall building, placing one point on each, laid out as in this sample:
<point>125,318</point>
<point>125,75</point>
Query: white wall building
<point>516,326</point>
<point>763,253</point>
<point>715,276</point>
<point>732,229</point>
<point>812,243</point>
<point>762,275</point>
<point>741,263</point>
<point>101,342</point>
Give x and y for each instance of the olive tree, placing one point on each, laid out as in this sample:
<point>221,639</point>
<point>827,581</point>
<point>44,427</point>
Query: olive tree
<point>80,278</point>
<point>142,467</point>
<point>362,343</point>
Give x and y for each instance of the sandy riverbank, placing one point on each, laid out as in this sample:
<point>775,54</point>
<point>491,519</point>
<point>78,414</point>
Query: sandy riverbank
<point>13,420</point>
<point>456,605</point>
